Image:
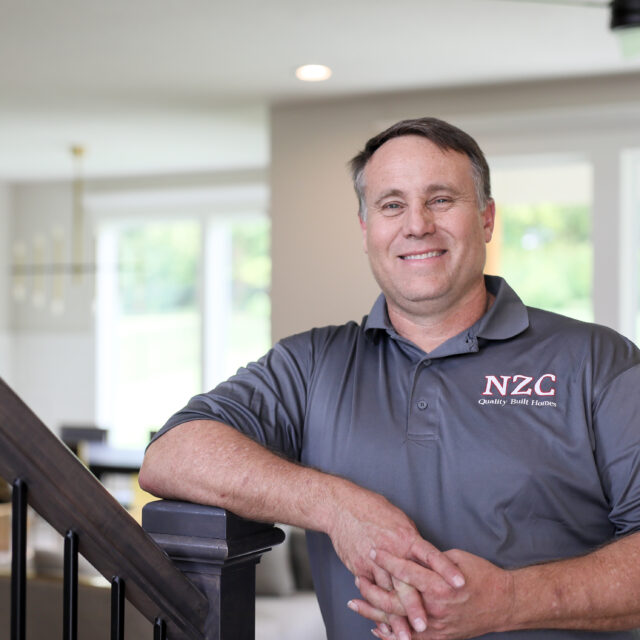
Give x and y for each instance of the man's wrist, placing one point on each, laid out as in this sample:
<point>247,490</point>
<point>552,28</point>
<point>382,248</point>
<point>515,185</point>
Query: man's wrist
<point>538,598</point>
<point>325,496</point>
<point>511,609</point>
<point>339,493</point>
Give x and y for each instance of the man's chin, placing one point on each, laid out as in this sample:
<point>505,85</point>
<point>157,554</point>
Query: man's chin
<point>418,303</point>
<point>424,295</point>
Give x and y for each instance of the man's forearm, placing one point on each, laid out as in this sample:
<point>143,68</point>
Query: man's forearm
<point>210,463</point>
<point>597,591</point>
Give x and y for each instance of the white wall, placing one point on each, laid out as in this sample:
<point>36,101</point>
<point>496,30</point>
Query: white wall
<point>54,375</point>
<point>320,275</point>
<point>53,363</point>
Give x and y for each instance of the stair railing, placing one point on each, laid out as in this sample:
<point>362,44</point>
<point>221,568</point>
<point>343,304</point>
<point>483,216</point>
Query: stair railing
<point>191,573</point>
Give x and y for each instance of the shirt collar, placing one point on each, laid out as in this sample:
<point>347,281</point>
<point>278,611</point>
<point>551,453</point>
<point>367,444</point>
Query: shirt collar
<point>506,318</point>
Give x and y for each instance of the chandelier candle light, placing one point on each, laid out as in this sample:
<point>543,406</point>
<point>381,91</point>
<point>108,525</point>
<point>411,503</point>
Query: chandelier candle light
<point>42,273</point>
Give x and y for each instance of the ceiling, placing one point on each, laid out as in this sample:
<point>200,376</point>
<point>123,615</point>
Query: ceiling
<point>157,86</point>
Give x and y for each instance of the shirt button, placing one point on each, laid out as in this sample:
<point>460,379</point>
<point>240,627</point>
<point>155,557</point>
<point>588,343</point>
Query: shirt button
<point>426,363</point>
<point>422,405</point>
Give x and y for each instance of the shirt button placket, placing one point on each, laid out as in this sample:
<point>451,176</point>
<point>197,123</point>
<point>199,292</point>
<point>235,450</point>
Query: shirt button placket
<point>421,420</point>
<point>422,404</point>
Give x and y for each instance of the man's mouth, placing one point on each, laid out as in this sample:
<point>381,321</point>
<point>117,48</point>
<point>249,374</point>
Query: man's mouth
<point>424,256</point>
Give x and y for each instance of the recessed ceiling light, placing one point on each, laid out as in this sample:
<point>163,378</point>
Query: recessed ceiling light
<point>313,73</point>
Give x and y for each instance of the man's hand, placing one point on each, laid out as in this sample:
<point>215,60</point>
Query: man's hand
<point>483,605</point>
<point>371,521</point>
<point>597,591</point>
<point>368,521</point>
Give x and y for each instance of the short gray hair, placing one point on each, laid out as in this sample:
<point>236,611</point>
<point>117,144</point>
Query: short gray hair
<point>443,135</point>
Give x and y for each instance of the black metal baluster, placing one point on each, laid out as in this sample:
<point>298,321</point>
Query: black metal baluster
<point>70,601</point>
<point>117,608</point>
<point>159,630</point>
<point>18,560</point>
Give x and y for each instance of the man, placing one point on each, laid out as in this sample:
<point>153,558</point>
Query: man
<point>472,462</point>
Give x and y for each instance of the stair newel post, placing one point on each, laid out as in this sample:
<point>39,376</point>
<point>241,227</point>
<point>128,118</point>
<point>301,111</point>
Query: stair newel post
<point>218,552</point>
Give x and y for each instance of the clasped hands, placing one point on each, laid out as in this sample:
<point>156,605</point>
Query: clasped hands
<point>429,600</point>
<point>409,587</point>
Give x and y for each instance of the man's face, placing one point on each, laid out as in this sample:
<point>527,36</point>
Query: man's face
<point>424,233</point>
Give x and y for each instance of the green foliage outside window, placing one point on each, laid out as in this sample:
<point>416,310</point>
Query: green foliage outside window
<point>251,267</point>
<point>251,305</point>
<point>158,267</point>
<point>546,256</point>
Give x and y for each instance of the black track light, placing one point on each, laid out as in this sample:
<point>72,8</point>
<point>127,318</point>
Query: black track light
<point>625,14</point>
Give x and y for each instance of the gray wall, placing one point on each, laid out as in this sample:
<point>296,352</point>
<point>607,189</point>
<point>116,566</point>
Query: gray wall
<point>5,292</point>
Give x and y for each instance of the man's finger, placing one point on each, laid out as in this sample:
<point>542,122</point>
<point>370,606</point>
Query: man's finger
<point>427,581</point>
<point>381,577</point>
<point>378,633</point>
<point>400,627</point>
<point>412,604</point>
<point>381,599</point>
<point>439,562</point>
<point>364,609</point>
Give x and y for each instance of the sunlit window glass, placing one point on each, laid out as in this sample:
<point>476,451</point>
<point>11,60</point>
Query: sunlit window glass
<point>157,325</point>
<point>542,244</point>
<point>250,302</point>
<point>637,331</point>
<point>631,233</point>
<point>185,304</point>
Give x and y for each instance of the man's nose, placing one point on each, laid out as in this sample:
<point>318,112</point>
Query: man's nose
<point>419,221</point>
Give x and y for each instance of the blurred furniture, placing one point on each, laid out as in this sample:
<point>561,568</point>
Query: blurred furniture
<point>286,605</point>
<point>103,458</point>
<point>74,435</point>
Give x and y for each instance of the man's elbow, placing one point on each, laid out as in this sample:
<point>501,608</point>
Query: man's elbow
<point>145,479</point>
<point>152,476</point>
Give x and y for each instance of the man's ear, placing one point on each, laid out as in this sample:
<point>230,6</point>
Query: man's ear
<point>489,219</point>
<point>363,228</point>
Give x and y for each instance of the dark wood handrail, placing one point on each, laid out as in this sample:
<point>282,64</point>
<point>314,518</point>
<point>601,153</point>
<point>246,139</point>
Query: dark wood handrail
<point>69,497</point>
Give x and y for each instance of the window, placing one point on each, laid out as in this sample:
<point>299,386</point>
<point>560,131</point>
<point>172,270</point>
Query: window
<point>630,245</point>
<point>542,244</point>
<point>237,303</point>
<point>182,303</point>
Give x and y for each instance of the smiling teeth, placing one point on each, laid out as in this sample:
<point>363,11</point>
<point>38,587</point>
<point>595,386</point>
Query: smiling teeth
<point>422,256</point>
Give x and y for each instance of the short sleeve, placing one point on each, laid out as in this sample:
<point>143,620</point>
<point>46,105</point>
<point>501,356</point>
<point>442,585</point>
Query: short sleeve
<point>266,400</point>
<point>617,437</point>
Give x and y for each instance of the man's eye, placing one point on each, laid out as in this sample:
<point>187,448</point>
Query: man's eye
<point>391,208</point>
<point>441,203</point>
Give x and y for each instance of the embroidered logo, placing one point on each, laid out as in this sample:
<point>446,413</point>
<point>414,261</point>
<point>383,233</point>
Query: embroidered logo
<point>519,390</point>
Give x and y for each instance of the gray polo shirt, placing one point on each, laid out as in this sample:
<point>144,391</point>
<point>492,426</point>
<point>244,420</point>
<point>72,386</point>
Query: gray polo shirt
<point>517,440</point>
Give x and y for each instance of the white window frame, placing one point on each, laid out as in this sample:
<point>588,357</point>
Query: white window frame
<point>629,242</point>
<point>212,208</point>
